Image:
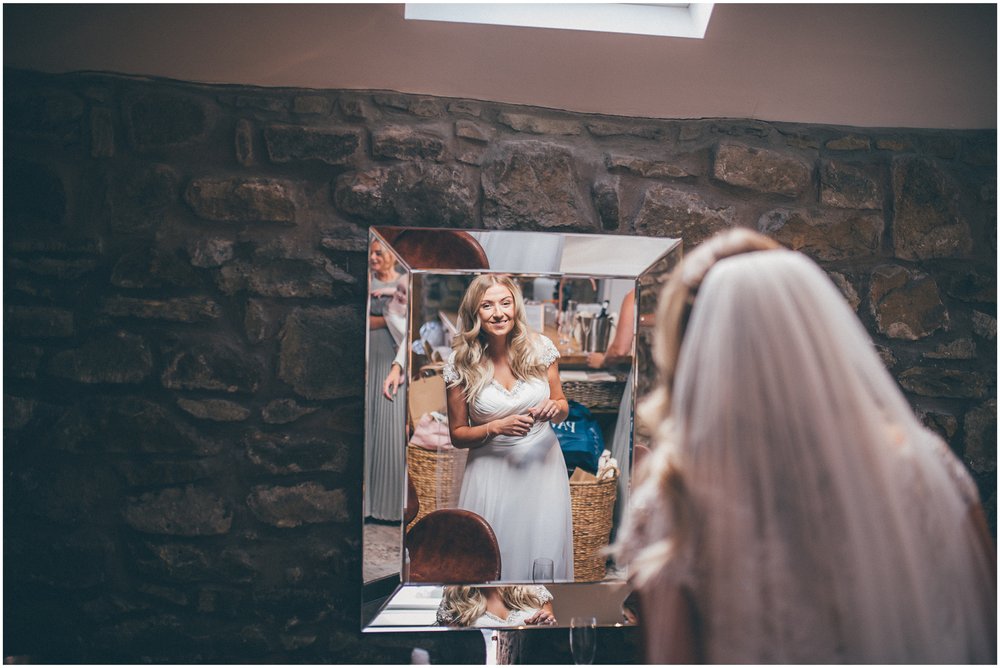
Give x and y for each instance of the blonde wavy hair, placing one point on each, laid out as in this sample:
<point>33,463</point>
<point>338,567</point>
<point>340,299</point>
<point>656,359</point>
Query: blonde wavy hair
<point>462,605</point>
<point>472,365</point>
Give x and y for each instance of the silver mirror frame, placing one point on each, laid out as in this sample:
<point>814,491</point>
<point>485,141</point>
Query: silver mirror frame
<point>389,604</point>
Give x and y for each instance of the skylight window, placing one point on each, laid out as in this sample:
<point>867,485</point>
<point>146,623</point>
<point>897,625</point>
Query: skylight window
<point>666,20</point>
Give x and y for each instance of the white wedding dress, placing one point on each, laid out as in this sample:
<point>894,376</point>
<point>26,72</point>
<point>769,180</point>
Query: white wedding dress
<point>519,484</point>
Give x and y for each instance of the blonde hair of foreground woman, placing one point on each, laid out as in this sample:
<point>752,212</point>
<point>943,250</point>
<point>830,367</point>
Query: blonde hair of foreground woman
<point>794,509</point>
<point>463,605</point>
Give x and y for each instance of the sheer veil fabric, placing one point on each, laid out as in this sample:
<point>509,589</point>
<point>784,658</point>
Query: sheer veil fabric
<point>821,522</point>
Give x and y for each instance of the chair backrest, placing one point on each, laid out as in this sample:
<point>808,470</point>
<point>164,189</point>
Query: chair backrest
<point>453,546</point>
<point>412,502</point>
<point>437,249</point>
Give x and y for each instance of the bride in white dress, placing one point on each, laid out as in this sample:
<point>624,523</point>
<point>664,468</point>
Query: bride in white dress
<point>503,391</point>
<point>794,508</point>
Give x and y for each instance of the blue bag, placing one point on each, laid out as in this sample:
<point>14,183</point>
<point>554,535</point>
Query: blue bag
<point>580,438</point>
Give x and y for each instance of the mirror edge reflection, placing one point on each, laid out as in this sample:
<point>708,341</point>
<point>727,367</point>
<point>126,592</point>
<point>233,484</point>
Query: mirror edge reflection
<point>647,281</point>
<point>612,603</point>
<point>391,579</point>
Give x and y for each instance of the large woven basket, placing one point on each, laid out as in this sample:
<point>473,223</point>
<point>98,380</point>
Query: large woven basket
<point>603,395</point>
<point>437,476</point>
<point>593,506</point>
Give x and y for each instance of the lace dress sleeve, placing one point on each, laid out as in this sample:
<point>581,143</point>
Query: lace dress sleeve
<point>449,373</point>
<point>444,616</point>
<point>547,350</point>
<point>543,594</point>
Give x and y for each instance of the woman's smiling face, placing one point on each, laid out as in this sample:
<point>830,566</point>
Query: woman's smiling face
<point>378,259</point>
<point>496,311</point>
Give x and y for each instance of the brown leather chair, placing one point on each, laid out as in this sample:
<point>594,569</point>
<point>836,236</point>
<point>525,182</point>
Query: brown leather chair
<point>412,503</point>
<point>453,546</point>
<point>436,249</point>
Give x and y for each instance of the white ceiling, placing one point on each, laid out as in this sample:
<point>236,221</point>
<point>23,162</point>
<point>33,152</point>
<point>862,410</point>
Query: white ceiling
<point>863,65</point>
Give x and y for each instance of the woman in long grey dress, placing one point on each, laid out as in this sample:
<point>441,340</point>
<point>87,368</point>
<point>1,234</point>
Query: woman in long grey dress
<point>385,455</point>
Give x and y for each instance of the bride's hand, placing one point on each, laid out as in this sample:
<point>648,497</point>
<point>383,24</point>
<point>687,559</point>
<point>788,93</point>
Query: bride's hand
<point>542,617</point>
<point>544,411</point>
<point>512,425</point>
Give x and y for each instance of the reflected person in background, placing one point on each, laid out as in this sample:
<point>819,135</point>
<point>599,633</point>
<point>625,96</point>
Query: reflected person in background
<point>503,392</point>
<point>619,350</point>
<point>384,455</point>
<point>620,347</point>
<point>395,321</point>
<point>795,510</point>
<point>496,606</point>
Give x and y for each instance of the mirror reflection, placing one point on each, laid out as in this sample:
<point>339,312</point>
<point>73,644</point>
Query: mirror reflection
<point>510,606</point>
<point>504,395</point>
<point>507,400</point>
<point>544,465</point>
<point>385,433</point>
<point>515,605</point>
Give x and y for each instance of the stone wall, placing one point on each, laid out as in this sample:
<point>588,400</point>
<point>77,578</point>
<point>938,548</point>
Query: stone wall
<point>184,301</point>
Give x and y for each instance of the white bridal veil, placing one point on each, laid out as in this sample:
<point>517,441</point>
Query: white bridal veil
<point>824,523</point>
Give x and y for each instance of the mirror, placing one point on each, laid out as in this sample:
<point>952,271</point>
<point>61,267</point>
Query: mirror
<point>421,607</point>
<point>385,421</point>
<point>589,295</point>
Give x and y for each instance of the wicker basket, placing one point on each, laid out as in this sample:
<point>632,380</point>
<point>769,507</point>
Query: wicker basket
<point>593,505</point>
<point>437,476</point>
<point>603,395</point>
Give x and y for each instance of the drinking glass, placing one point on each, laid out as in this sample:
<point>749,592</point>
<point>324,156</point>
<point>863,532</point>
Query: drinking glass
<point>542,570</point>
<point>583,640</point>
<point>567,325</point>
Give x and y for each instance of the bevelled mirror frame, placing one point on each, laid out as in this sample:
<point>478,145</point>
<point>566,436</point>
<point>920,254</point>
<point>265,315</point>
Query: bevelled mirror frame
<point>432,256</point>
